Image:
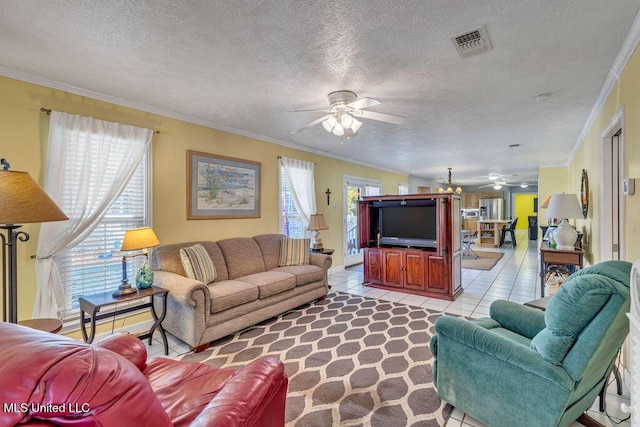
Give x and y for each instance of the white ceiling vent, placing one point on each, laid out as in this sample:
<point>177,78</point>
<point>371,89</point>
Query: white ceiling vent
<point>472,42</point>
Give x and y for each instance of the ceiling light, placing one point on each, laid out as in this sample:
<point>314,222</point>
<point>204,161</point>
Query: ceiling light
<point>450,187</point>
<point>524,185</point>
<point>338,130</point>
<point>493,176</point>
<point>497,186</point>
<point>356,125</point>
<point>346,120</point>
<point>329,124</point>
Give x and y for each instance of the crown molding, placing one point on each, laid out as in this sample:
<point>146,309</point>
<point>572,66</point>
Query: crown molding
<point>147,108</point>
<point>624,54</point>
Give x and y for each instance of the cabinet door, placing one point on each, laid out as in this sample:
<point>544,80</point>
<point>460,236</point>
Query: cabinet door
<point>393,268</point>
<point>438,277</point>
<point>414,264</point>
<point>364,224</point>
<point>373,265</point>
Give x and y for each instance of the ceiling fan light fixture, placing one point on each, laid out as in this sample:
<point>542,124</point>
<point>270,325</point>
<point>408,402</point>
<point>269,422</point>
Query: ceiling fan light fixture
<point>338,130</point>
<point>329,124</point>
<point>355,125</point>
<point>346,120</point>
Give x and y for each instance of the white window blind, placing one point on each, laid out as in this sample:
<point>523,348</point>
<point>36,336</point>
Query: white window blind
<point>291,223</point>
<point>95,265</point>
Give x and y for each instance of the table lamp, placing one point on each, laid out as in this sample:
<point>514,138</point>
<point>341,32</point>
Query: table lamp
<point>135,239</point>
<point>565,206</point>
<point>21,201</point>
<point>317,223</point>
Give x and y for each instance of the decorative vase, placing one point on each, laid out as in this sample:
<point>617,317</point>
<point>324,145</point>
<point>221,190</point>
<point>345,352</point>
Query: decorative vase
<point>144,278</point>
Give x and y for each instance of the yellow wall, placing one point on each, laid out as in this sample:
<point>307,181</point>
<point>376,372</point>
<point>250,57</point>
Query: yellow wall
<point>625,93</point>
<point>523,209</point>
<point>552,180</point>
<point>23,135</point>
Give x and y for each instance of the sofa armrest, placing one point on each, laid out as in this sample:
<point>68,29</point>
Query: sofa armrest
<point>127,346</point>
<point>477,338</point>
<point>523,320</point>
<point>182,289</point>
<point>321,260</point>
<point>255,395</point>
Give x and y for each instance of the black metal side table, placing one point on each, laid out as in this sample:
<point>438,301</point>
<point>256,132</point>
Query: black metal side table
<point>92,304</point>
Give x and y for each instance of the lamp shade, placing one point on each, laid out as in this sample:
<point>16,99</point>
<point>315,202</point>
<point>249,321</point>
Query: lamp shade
<point>139,238</point>
<point>545,204</point>
<point>23,201</point>
<point>564,206</point>
<point>317,223</point>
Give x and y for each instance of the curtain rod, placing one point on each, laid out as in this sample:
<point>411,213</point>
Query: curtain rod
<point>279,157</point>
<point>47,111</point>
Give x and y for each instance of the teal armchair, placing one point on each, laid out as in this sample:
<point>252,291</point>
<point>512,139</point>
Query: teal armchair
<point>525,367</point>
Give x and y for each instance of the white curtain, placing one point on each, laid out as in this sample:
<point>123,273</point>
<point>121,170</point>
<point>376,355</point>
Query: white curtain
<point>89,163</point>
<point>300,174</point>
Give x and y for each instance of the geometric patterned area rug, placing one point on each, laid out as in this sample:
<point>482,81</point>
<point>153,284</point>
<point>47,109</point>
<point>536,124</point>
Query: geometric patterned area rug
<point>351,361</point>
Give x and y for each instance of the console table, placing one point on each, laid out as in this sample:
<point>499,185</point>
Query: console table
<point>92,304</point>
<point>550,256</point>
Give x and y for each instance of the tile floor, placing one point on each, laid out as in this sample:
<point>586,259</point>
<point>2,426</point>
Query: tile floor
<point>514,277</point>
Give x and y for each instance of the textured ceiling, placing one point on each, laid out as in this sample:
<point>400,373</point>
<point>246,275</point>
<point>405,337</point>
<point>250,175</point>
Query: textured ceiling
<point>244,65</point>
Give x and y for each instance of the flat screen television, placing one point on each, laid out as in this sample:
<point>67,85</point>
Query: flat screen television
<point>409,225</point>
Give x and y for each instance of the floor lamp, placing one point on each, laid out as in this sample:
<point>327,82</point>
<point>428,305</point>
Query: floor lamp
<point>21,201</point>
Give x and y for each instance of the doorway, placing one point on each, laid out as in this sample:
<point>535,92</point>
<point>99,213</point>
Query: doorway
<point>612,245</point>
<point>354,188</point>
<point>523,208</point>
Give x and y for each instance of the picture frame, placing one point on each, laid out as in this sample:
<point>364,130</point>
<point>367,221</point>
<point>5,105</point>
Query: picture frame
<point>220,187</point>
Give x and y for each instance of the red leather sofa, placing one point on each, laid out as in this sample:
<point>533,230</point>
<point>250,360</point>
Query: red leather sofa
<point>48,379</point>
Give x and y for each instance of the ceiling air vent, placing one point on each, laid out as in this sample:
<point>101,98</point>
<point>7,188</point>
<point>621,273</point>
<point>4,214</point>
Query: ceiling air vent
<point>471,42</point>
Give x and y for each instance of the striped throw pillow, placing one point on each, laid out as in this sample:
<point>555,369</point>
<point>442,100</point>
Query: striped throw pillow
<point>294,251</point>
<point>197,263</point>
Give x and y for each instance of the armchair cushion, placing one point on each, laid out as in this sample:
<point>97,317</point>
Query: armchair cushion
<point>567,314</point>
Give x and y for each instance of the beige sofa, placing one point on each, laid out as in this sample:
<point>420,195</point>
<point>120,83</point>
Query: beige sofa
<point>249,287</point>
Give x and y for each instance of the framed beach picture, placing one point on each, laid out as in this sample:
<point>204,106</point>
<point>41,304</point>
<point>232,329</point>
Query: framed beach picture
<point>222,187</point>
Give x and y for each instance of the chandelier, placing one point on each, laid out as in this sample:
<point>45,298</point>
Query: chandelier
<point>450,187</point>
<point>342,123</point>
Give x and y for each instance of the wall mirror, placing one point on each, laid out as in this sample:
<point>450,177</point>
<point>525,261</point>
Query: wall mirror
<point>584,193</point>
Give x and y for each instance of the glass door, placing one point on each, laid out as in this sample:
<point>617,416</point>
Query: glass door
<point>354,188</point>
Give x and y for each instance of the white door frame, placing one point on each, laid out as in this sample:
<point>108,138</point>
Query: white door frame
<point>363,183</point>
<point>616,124</point>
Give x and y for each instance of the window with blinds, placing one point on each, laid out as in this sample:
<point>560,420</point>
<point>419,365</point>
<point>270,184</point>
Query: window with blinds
<point>290,222</point>
<point>95,265</point>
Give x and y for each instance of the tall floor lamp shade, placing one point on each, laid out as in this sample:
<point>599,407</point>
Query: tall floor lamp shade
<point>22,201</point>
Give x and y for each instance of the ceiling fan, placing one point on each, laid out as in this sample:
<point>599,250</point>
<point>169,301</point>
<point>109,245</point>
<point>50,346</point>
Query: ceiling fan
<point>344,110</point>
<point>497,185</point>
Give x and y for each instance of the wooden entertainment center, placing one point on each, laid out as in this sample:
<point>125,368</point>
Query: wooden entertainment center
<point>428,267</point>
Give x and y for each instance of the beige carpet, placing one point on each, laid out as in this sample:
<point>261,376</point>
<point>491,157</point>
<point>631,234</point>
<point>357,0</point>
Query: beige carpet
<point>351,361</point>
<point>485,260</point>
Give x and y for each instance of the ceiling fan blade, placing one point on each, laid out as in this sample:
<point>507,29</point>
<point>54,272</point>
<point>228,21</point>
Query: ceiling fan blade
<point>323,110</point>
<point>312,124</point>
<point>363,103</point>
<point>383,117</point>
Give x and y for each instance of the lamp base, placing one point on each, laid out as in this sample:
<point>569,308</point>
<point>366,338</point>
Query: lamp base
<point>123,290</point>
<point>565,236</point>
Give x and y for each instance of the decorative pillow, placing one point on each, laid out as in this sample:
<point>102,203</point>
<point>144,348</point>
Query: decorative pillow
<point>294,251</point>
<point>197,263</point>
